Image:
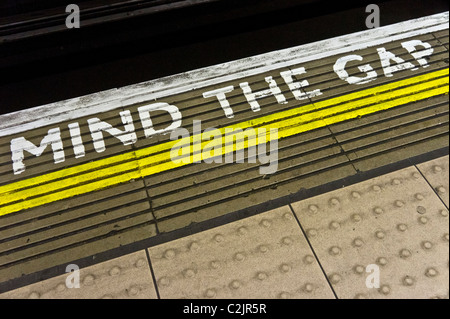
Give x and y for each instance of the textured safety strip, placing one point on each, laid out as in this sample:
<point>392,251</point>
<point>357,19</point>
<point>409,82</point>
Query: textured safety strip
<point>133,165</point>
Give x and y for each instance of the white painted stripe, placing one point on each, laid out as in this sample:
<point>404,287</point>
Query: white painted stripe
<point>53,113</point>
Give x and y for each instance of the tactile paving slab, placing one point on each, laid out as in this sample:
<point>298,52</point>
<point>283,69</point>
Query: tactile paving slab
<point>126,277</point>
<point>396,222</point>
<point>265,256</point>
<point>436,173</point>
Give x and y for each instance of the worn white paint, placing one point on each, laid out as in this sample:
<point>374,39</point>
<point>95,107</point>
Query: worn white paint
<point>49,114</point>
<point>296,86</point>
<point>147,124</point>
<point>20,145</point>
<point>341,63</point>
<point>220,94</point>
<point>127,136</point>
<point>77,141</point>
<point>253,96</point>
<point>97,127</point>
<point>386,57</point>
<point>412,45</point>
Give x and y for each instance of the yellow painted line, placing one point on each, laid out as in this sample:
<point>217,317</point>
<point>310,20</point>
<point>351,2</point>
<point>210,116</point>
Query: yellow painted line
<point>122,168</point>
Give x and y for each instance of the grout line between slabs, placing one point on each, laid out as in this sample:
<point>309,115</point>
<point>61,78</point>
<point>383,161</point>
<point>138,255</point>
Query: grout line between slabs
<point>313,251</point>
<point>158,296</point>
<point>147,194</point>
<point>431,186</point>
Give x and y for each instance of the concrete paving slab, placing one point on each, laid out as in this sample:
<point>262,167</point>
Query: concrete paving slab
<point>126,277</point>
<point>436,173</point>
<point>265,256</point>
<point>394,224</point>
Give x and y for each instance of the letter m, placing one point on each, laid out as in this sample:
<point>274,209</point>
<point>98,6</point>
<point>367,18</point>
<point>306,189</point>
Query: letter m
<point>19,145</point>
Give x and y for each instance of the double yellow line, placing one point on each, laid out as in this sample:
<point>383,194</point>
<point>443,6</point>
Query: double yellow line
<point>125,167</point>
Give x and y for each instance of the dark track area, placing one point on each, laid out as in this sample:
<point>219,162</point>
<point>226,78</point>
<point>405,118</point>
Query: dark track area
<point>62,64</point>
